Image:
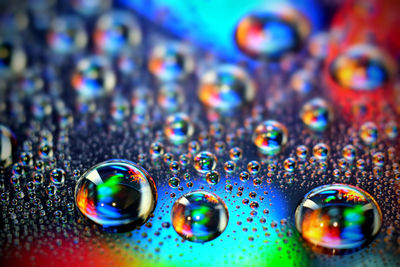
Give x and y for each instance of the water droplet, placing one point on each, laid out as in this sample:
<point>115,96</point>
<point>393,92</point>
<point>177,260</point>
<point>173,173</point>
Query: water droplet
<point>321,151</point>
<point>226,88</point>
<point>30,82</point>
<point>41,106</point>
<point>362,67</point>
<point>171,62</point>
<point>378,159</point>
<point>236,153</point>
<point>289,164</point>
<point>349,153</point>
<point>391,130</point>
<point>199,216</point>
<point>205,161</point>
<point>272,33</point>
<point>38,178</point>
<point>254,167</point>
<point>67,35</point>
<point>116,194</point>
<point>244,176</point>
<point>270,137</point>
<point>184,160</point>
<point>302,81</point>
<point>219,147</point>
<point>193,147</point>
<point>170,97</point>
<point>229,166</point>
<point>93,78</point>
<point>119,108</point>
<point>316,114</point>
<point>168,157</point>
<point>115,31</point>
<point>338,217</point>
<point>369,133</point>
<point>12,58</point>
<point>57,177</point>
<point>254,205</point>
<point>8,146</point>
<point>178,128</point>
<point>174,182</point>
<point>45,150</point>
<point>213,177</point>
<point>257,181</point>
<point>156,149</point>
<point>302,152</point>
<point>360,164</point>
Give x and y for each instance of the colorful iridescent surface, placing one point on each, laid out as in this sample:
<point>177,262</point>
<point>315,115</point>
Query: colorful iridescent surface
<point>338,217</point>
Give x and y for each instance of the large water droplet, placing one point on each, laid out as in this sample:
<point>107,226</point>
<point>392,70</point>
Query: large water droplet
<point>199,216</point>
<point>338,217</point>
<point>272,33</point>
<point>116,194</point>
<point>362,67</point>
